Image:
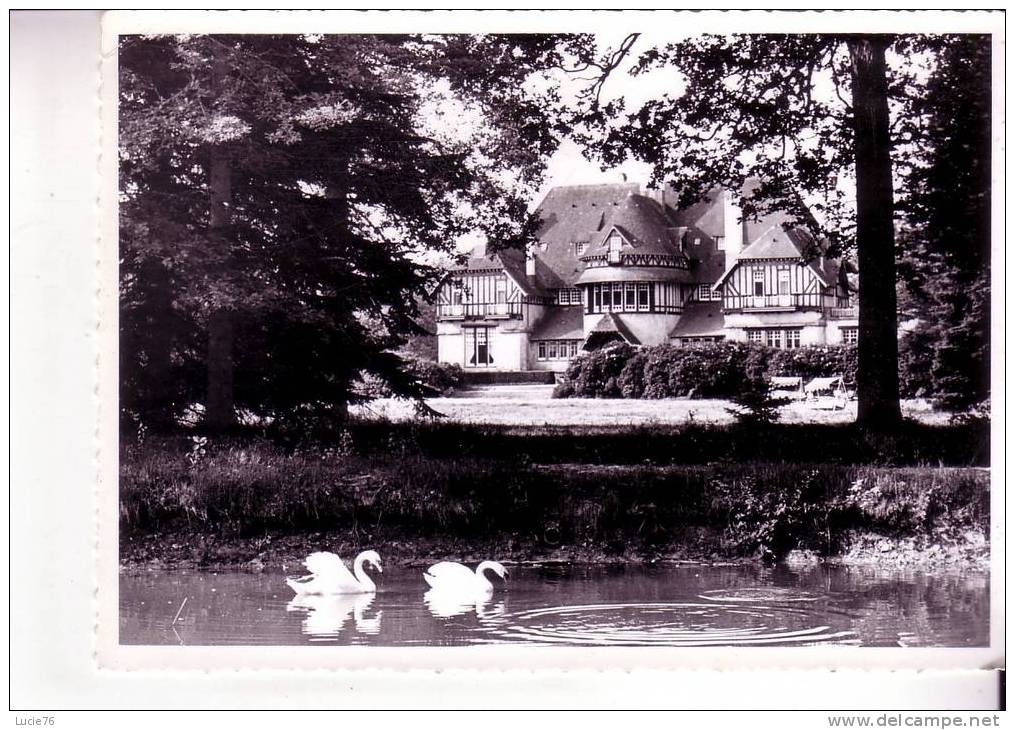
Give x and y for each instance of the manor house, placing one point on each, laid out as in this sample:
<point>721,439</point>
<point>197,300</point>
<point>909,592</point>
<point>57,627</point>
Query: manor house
<point>616,262</point>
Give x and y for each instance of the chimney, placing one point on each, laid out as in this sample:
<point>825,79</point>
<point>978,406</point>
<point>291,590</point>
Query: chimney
<point>733,229</point>
<point>530,260</point>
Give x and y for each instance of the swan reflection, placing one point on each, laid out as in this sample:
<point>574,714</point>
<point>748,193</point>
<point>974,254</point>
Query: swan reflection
<point>447,604</point>
<point>326,615</point>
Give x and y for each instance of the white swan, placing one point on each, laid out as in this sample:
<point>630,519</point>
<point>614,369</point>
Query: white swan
<point>328,574</point>
<point>456,578</point>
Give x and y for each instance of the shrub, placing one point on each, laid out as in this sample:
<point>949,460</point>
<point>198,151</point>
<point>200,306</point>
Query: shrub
<point>438,377</point>
<point>755,405</point>
<point>631,380</point>
<point>594,375</point>
<point>442,377</point>
<point>815,361</point>
<point>706,370</point>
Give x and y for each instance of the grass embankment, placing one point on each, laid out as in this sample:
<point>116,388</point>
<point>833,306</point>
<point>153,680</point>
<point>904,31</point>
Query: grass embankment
<point>420,492</point>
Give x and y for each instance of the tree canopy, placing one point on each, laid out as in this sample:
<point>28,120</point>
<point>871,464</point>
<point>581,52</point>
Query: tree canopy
<point>277,193</point>
<point>833,129</point>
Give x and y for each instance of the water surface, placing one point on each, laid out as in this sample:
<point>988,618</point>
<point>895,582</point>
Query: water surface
<point>571,606</point>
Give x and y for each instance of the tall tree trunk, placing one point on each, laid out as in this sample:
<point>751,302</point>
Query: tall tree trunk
<point>878,356</point>
<point>219,409</point>
<point>158,346</point>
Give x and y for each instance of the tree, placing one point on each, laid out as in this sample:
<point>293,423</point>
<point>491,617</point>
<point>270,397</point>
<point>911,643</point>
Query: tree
<point>945,251</point>
<point>276,192</point>
<point>800,113</point>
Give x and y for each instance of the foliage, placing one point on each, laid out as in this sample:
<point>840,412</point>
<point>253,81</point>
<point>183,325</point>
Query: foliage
<point>788,119</point>
<point>706,370</point>
<point>814,361</point>
<point>945,245</point>
<point>595,374</point>
<point>277,192</point>
<point>250,487</point>
<point>755,404</point>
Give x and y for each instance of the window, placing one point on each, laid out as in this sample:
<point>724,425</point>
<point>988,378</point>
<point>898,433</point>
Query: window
<point>697,241</point>
<point>579,248</point>
<point>630,297</point>
<point>456,296</point>
<point>849,335</point>
<point>759,282</point>
<point>477,347</point>
<point>556,349</point>
<point>716,294</point>
<point>720,243</point>
<point>643,305</point>
<point>704,292</point>
<point>783,338</point>
<point>597,298</point>
<point>501,291</point>
<point>783,282</point>
<point>569,296</point>
<point>618,296</point>
<point>613,244</point>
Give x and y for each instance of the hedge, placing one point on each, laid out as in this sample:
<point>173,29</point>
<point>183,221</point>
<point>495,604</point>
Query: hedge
<point>707,370</point>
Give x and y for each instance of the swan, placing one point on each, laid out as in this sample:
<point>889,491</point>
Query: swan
<point>328,574</point>
<point>456,578</point>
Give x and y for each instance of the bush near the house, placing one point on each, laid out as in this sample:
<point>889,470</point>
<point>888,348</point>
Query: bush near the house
<point>440,377</point>
<point>707,370</point>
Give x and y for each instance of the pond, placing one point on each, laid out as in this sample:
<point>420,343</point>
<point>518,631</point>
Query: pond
<point>667,605</point>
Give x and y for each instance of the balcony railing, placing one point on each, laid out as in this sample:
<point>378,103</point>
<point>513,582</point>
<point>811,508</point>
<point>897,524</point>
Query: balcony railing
<point>844,313</point>
<point>775,302</point>
<point>493,310</point>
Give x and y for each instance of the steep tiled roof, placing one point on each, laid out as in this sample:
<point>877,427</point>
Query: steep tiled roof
<point>612,324</point>
<point>645,226</point>
<point>568,215</point>
<point>512,261</point>
<point>698,319</point>
<point>777,242</point>
<point>560,323</point>
<point>576,212</point>
<point>587,213</point>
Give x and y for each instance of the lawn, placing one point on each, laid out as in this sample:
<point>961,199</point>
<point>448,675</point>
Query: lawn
<point>532,405</point>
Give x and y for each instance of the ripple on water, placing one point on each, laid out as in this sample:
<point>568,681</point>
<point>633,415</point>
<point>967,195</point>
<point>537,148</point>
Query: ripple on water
<point>668,624</point>
<point>761,595</point>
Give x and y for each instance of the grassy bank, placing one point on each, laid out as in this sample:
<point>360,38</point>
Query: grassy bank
<point>910,444</point>
<point>245,495</point>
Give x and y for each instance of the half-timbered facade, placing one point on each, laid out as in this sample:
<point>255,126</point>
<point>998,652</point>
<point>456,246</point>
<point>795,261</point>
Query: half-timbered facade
<point>614,262</point>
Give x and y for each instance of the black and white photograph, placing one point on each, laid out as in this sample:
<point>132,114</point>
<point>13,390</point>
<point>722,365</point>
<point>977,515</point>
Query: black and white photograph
<point>570,341</point>
<point>562,339</point>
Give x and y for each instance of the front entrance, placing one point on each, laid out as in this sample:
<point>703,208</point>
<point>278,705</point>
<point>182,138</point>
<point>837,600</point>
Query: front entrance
<point>478,352</point>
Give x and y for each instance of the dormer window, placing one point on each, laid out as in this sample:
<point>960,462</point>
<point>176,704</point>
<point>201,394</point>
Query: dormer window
<point>579,248</point>
<point>613,244</point>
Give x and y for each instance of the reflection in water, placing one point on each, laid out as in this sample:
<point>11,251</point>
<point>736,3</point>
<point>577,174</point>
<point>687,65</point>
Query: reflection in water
<point>447,604</point>
<point>327,614</point>
<point>740,605</point>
